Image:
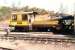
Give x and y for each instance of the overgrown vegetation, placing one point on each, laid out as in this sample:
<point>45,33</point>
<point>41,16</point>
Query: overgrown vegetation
<point>5,11</point>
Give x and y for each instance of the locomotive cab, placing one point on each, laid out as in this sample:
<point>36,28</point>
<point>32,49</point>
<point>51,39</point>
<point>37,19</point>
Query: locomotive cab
<point>20,21</point>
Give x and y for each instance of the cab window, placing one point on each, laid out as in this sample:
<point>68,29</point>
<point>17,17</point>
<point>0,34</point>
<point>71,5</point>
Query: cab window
<point>14,17</point>
<point>24,17</point>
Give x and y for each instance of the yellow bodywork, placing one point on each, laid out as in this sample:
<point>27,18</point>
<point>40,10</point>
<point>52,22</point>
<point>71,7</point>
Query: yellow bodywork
<point>50,22</point>
<point>45,20</point>
<point>23,23</point>
<point>19,21</point>
<point>38,20</point>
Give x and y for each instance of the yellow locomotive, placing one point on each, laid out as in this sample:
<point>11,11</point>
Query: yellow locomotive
<point>29,21</point>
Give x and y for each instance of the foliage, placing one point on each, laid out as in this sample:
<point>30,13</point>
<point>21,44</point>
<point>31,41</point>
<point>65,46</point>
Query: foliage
<point>35,9</point>
<point>4,11</point>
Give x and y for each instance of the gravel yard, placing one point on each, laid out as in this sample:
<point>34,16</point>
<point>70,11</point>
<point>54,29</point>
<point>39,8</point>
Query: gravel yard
<point>32,45</point>
<point>50,46</point>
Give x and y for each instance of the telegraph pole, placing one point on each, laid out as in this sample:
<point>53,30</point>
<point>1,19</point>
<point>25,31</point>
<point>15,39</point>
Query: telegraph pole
<point>61,9</point>
<point>74,16</point>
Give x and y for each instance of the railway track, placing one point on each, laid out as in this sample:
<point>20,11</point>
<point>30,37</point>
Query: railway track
<point>41,38</point>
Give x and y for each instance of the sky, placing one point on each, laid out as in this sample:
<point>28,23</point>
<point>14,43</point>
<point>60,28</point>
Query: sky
<point>68,5</point>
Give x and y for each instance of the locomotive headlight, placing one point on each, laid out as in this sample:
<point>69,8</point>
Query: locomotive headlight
<point>12,28</point>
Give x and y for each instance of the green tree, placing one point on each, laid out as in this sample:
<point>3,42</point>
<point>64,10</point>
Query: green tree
<point>26,8</point>
<point>4,11</point>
